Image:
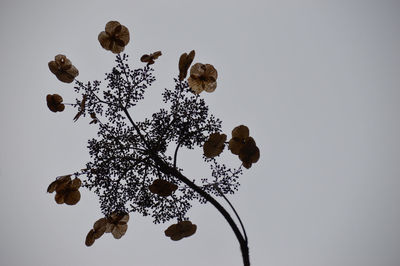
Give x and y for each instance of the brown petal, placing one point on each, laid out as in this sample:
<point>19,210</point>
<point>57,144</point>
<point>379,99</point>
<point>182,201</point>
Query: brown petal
<point>235,144</point>
<point>124,219</point>
<point>123,35</point>
<point>197,70</point>
<point>75,183</point>
<point>240,132</point>
<point>73,71</point>
<point>65,77</point>
<point>115,48</point>
<point>53,67</point>
<point>52,187</point>
<point>211,72</point>
<point>59,198</point>
<point>104,40</point>
<point>171,230</point>
<point>119,230</point>
<point>90,238</point>
<point>109,227</point>
<point>72,197</point>
<point>100,223</point>
<point>196,85</point>
<point>145,58</point>
<point>210,86</point>
<point>111,26</point>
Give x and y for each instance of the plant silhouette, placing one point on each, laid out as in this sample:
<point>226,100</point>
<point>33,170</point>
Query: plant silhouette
<point>130,169</point>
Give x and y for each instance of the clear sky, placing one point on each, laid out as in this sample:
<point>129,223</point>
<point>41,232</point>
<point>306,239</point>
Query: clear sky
<point>317,83</point>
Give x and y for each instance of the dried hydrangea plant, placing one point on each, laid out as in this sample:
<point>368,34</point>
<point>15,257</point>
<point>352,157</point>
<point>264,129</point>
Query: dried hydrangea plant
<point>130,169</point>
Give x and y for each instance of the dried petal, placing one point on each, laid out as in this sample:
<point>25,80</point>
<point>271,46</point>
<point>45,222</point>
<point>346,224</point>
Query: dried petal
<point>184,63</point>
<point>72,197</point>
<point>59,198</point>
<point>240,132</point>
<point>119,230</point>
<point>75,183</point>
<point>162,187</point>
<point>214,145</point>
<point>90,238</point>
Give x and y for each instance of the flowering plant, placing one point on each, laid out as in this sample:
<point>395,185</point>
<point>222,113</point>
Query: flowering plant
<point>131,169</point>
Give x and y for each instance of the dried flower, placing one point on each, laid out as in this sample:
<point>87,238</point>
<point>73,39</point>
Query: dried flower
<point>54,102</point>
<point>149,58</point>
<point>66,190</point>
<point>115,37</point>
<point>214,145</point>
<point>117,224</point>
<point>243,145</point>
<point>239,133</point>
<point>249,153</point>
<point>162,187</point>
<point>184,63</point>
<point>203,77</point>
<point>180,230</point>
<point>63,69</point>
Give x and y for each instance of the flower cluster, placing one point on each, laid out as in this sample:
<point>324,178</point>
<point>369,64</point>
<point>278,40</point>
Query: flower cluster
<point>214,145</point>
<point>115,37</point>
<point>203,77</point>
<point>66,190</point>
<point>54,102</point>
<point>63,69</point>
<point>180,230</point>
<point>243,145</point>
<point>162,187</point>
<point>116,224</point>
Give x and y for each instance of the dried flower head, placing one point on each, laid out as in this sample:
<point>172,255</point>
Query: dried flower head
<point>214,145</point>
<point>149,58</point>
<point>162,187</point>
<point>117,224</point>
<point>115,37</point>
<point>54,102</point>
<point>66,190</point>
<point>63,69</point>
<point>203,77</point>
<point>239,133</point>
<point>180,230</point>
<point>184,63</point>
<point>243,145</point>
<point>249,153</point>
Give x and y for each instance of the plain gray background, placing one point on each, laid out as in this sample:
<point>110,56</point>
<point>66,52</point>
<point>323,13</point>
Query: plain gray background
<point>317,83</point>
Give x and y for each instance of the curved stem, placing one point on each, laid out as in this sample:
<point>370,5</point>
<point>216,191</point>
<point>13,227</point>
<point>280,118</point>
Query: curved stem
<point>168,170</point>
<point>234,210</point>
<point>242,241</point>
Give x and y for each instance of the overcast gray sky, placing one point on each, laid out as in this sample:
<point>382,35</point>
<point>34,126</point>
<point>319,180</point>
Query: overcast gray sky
<point>317,83</point>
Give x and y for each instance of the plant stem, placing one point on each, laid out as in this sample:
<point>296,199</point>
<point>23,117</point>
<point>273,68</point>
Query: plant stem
<point>172,171</point>
<point>168,170</point>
